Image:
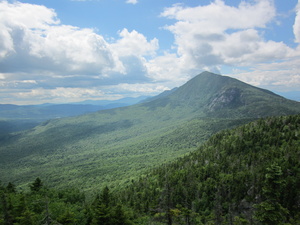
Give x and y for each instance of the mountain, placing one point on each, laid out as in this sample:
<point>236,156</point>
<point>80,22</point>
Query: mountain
<point>45,111</point>
<point>220,96</point>
<point>109,147</point>
<point>121,102</point>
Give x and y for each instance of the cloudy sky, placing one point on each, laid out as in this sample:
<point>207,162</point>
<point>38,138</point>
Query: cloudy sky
<point>71,50</point>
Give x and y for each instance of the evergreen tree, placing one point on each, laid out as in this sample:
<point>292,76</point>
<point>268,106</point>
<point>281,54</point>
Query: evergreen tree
<point>36,185</point>
<point>101,215</point>
<point>270,211</point>
<point>102,210</point>
<point>7,209</point>
<point>119,216</point>
<point>67,217</point>
<point>11,188</point>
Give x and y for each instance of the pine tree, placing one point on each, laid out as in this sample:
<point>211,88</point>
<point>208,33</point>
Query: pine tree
<point>270,211</point>
<point>102,210</point>
<point>36,185</point>
<point>11,188</point>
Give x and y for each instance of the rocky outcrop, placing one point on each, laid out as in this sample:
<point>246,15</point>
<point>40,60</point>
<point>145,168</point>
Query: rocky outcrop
<point>228,98</point>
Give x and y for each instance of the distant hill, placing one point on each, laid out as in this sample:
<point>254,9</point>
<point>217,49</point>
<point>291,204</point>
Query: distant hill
<point>21,117</point>
<point>109,147</point>
<point>293,95</point>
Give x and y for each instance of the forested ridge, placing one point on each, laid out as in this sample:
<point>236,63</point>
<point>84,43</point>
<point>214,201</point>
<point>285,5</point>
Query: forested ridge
<point>247,175</point>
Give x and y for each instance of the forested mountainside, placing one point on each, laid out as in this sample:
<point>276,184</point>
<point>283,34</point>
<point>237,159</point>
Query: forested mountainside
<point>247,175</point>
<point>113,146</point>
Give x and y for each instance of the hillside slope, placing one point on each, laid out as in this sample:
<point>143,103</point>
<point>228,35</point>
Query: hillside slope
<point>112,146</point>
<point>248,175</point>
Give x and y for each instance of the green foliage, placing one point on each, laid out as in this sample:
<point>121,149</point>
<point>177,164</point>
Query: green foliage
<point>270,211</point>
<point>36,185</point>
<point>36,207</point>
<point>247,175</point>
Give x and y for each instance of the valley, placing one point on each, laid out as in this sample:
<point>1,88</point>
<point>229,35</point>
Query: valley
<point>246,175</point>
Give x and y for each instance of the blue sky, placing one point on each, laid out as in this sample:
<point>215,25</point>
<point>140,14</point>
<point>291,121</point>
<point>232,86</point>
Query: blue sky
<point>68,51</point>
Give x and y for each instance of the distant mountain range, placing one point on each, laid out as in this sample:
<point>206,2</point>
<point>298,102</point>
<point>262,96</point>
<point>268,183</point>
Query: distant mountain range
<point>49,111</point>
<point>21,117</point>
<point>109,147</point>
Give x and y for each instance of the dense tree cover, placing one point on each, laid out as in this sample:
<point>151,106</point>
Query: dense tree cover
<point>113,158</point>
<point>42,205</point>
<point>248,175</point>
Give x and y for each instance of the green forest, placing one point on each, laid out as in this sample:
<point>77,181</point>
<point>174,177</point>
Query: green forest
<point>246,175</point>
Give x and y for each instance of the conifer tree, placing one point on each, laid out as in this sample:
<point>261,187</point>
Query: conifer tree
<point>36,185</point>
<point>270,211</point>
<point>102,210</point>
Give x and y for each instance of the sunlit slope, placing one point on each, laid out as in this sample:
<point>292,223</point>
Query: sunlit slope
<point>112,146</point>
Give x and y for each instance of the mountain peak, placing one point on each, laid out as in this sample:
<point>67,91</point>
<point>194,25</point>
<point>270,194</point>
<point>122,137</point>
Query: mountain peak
<point>210,94</point>
<point>202,87</point>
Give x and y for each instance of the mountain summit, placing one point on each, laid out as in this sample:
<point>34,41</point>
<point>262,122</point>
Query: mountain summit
<point>111,146</point>
<point>210,94</point>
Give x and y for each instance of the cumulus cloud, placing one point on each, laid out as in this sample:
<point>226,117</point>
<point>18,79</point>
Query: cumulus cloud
<point>134,43</point>
<point>59,94</point>
<point>280,76</point>
<point>133,49</point>
<point>34,39</point>
<point>35,46</point>
<point>217,17</point>
<point>218,34</point>
<point>296,26</point>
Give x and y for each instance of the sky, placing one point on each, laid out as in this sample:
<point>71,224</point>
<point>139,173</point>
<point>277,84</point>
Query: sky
<point>62,51</point>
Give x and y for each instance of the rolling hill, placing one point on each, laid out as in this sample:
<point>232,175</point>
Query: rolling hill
<point>113,146</point>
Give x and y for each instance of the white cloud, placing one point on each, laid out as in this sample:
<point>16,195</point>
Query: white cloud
<point>134,43</point>
<point>168,67</point>
<point>132,49</point>
<point>36,47</point>
<point>34,39</point>
<point>282,75</point>
<point>41,44</point>
<point>296,26</point>
<point>218,17</point>
<point>219,34</point>
<point>139,89</point>
<point>59,94</point>
<point>132,2</point>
